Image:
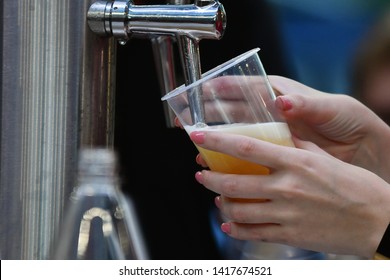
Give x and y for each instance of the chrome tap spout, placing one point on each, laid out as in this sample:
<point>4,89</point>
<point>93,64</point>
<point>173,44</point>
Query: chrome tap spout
<point>187,23</point>
<point>123,19</point>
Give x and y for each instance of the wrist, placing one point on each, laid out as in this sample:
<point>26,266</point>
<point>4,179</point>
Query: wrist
<point>375,148</point>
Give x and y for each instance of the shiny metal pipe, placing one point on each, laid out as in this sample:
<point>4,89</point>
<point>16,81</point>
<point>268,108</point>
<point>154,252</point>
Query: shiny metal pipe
<point>56,95</point>
<point>163,52</point>
<point>190,59</point>
<point>122,19</point>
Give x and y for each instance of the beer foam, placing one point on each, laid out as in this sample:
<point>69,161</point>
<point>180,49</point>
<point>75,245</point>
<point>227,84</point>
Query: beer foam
<point>270,130</point>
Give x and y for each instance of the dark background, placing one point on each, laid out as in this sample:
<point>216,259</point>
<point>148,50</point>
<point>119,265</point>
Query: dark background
<point>158,163</point>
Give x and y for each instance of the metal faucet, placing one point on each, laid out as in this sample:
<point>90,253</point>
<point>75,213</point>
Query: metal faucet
<point>123,20</point>
<point>179,21</point>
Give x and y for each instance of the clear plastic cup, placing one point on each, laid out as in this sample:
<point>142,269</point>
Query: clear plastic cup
<point>234,97</point>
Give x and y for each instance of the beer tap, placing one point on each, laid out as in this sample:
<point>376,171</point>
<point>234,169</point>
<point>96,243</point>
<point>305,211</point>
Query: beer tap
<point>124,20</point>
<point>178,20</point>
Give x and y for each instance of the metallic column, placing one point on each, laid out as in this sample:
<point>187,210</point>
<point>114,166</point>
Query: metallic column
<point>57,88</point>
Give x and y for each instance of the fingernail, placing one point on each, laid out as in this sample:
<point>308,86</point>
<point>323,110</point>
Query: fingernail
<point>217,201</point>
<point>199,177</point>
<point>226,228</point>
<point>197,159</point>
<point>283,103</point>
<point>197,137</point>
<point>177,122</point>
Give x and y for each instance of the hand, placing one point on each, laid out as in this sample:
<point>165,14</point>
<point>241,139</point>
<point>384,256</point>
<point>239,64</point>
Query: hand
<point>314,201</point>
<point>236,98</point>
<point>337,123</point>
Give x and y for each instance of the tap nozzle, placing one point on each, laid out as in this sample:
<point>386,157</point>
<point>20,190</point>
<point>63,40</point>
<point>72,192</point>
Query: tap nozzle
<point>122,19</point>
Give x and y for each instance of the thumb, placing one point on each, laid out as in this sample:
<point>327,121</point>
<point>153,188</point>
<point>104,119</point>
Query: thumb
<point>298,101</point>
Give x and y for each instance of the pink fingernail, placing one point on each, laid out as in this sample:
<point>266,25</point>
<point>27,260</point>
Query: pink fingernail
<point>283,103</point>
<point>217,201</point>
<point>198,159</point>
<point>199,177</point>
<point>197,137</point>
<point>226,228</point>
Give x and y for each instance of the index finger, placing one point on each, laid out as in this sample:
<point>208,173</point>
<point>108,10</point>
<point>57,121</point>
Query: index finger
<point>244,147</point>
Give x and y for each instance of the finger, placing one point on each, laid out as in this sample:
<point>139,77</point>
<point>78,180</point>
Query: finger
<point>252,211</point>
<point>273,233</point>
<point>266,232</point>
<point>230,87</point>
<point>286,86</point>
<point>227,111</point>
<point>297,101</point>
<point>243,147</point>
<point>178,123</point>
<point>199,160</point>
<point>315,110</point>
<point>239,186</point>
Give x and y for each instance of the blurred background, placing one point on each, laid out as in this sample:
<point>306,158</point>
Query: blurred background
<point>314,42</point>
<point>61,84</point>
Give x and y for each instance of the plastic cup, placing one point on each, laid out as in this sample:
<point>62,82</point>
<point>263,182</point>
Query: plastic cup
<point>234,97</point>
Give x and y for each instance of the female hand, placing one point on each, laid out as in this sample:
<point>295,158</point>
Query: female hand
<point>339,124</point>
<point>313,200</point>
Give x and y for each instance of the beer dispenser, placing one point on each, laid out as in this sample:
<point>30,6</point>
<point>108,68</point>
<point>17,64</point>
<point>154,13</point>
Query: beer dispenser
<point>58,95</point>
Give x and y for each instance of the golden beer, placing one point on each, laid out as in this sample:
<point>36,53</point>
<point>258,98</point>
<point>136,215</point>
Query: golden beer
<point>274,132</point>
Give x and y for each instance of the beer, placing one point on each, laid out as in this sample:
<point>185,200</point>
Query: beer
<point>274,132</point>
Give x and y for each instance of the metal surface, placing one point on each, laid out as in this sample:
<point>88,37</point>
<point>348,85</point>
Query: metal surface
<point>190,59</point>
<point>164,53</point>
<point>163,50</point>
<point>188,23</point>
<point>56,95</point>
<point>122,19</point>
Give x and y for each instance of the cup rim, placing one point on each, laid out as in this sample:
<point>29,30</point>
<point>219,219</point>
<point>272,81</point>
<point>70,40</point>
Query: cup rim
<point>210,73</point>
